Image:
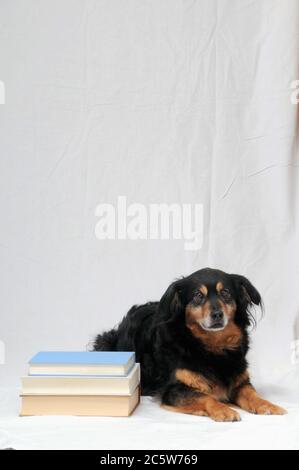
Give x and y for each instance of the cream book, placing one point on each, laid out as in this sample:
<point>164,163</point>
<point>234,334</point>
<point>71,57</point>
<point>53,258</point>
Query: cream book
<point>80,385</point>
<point>81,363</point>
<point>91,405</point>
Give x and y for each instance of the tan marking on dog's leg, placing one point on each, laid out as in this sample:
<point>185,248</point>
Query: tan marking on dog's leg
<point>241,379</point>
<point>248,399</point>
<point>206,406</point>
<point>193,380</point>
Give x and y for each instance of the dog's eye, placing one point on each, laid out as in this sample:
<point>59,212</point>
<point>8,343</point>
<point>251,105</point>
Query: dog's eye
<point>199,296</point>
<point>225,293</point>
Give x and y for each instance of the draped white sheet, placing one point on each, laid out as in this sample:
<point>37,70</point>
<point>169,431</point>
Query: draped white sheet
<point>171,101</point>
<point>150,427</point>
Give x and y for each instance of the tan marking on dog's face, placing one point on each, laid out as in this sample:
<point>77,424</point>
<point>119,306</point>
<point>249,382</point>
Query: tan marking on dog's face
<point>199,312</point>
<point>219,286</point>
<point>229,309</point>
<point>203,289</point>
<point>208,300</point>
<point>228,338</point>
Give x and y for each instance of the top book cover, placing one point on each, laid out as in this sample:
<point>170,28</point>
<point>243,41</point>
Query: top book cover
<point>81,363</point>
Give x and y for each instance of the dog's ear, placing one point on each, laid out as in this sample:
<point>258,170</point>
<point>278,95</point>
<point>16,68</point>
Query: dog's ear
<point>170,305</point>
<point>246,289</point>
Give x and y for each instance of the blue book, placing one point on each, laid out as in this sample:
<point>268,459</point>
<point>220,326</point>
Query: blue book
<point>113,363</point>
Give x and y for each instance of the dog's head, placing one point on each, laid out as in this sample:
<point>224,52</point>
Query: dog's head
<point>210,300</point>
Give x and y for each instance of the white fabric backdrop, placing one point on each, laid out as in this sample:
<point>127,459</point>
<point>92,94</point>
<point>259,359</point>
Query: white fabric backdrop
<point>161,101</point>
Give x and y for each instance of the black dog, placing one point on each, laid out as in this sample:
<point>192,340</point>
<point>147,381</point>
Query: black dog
<point>192,345</point>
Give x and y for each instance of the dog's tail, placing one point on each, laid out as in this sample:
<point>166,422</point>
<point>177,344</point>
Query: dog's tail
<point>113,339</point>
<point>106,341</point>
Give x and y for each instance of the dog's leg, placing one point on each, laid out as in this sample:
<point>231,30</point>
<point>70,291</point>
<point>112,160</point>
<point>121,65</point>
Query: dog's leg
<point>247,398</point>
<point>180,398</point>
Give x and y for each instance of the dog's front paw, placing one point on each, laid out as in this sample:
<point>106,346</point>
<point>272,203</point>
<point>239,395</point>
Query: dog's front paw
<point>267,408</point>
<point>224,413</point>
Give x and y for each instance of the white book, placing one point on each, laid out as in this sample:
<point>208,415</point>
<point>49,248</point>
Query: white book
<point>86,405</point>
<point>81,385</point>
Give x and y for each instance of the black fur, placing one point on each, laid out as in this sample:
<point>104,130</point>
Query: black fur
<point>158,334</point>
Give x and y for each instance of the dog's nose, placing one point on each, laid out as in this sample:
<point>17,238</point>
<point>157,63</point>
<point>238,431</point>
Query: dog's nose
<point>217,315</point>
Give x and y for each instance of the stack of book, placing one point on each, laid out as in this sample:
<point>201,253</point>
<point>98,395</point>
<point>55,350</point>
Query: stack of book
<point>81,383</point>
